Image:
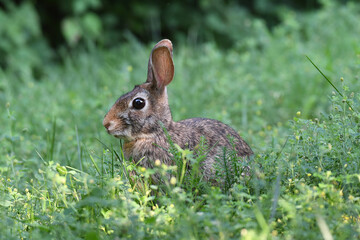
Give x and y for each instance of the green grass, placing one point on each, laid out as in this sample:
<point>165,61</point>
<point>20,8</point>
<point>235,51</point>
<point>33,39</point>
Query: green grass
<point>63,177</point>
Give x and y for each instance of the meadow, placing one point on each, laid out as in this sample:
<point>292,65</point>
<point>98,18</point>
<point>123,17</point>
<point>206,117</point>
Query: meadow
<point>63,177</point>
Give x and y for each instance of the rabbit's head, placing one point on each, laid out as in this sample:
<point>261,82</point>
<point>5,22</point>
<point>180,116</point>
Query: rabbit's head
<point>137,114</point>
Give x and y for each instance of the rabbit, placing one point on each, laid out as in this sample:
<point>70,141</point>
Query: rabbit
<point>140,116</point>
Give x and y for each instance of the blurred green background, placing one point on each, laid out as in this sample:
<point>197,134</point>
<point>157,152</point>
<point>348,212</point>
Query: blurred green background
<point>35,32</point>
<point>109,22</point>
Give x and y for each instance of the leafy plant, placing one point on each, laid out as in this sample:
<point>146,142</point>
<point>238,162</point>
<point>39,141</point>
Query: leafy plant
<point>23,48</point>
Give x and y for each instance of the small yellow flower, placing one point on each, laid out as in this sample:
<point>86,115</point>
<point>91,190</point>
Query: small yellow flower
<point>274,233</point>
<point>341,79</point>
<point>173,181</point>
<point>330,146</point>
<point>298,113</point>
<point>309,174</point>
<point>157,162</point>
<point>244,232</point>
<point>130,190</point>
<point>142,169</point>
<point>351,197</point>
<point>341,193</point>
<point>171,206</point>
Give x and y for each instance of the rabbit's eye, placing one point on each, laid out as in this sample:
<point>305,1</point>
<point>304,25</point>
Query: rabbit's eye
<point>138,103</point>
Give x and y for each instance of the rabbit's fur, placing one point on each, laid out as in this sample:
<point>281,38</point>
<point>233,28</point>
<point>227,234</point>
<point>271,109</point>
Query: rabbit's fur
<point>142,127</point>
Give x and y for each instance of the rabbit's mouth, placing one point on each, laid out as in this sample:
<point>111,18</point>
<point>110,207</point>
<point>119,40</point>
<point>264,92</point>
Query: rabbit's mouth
<point>118,134</point>
<point>124,135</point>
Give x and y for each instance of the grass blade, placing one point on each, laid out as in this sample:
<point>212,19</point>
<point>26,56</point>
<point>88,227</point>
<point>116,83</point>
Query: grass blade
<point>51,141</point>
<point>79,148</point>
<point>95,165</point>
<point>328,80</point>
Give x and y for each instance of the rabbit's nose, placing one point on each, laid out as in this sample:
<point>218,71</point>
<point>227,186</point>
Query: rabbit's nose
<point>106,124</point>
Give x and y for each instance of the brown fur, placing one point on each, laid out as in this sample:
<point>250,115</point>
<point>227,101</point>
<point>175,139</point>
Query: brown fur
<point>142,128</point>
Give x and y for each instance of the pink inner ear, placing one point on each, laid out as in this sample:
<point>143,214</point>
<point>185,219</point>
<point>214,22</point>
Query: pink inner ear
<point>163,66</point>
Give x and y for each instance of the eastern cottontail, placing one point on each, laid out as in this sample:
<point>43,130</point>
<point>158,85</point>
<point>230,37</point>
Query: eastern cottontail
<point>139,117</point>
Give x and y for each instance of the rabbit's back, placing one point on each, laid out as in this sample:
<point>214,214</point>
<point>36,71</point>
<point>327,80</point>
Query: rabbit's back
<point>187,133</point>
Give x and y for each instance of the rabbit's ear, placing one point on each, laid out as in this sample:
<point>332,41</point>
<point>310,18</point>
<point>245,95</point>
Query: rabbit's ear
<point>161,66</point>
